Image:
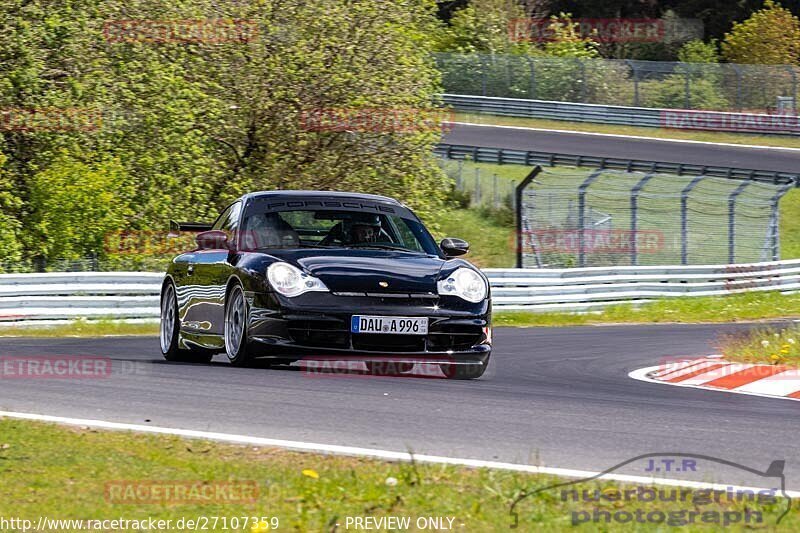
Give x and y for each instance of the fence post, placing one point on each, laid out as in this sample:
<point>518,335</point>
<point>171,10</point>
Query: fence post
<point>687,88</point>
<point>477,195</point>
<point>484,75</point>
<point>635,82</point>
<point>775,220</point>
<point>738,72</point>
<point>732,221</point>
<point>39,263</point>
<point>494,186</point>
<point>532,89</point>
<point>634,216</point>
<point>583,79</point>
<point>518,203</point>
<point>582,216</point>
<point>794,87</point>
<point>684,218</point>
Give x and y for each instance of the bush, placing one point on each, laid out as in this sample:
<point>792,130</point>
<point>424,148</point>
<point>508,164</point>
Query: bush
<point>770,36</point>
<point>671,93</point>
<point>76,206</point>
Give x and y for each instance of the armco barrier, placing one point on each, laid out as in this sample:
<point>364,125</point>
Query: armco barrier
<point>584,289</point>
<point>507,156</point>
<point>91,295</point>
<point>128,295</point>
<point>763,124</point>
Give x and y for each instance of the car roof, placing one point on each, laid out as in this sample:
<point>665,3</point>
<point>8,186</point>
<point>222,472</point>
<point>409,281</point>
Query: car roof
<point>319,194</point>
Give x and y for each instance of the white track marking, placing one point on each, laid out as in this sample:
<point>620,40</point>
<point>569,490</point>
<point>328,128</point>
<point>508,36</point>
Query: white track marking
<point>643,374</point>
<point>378,454</point>
<point>637,137</point>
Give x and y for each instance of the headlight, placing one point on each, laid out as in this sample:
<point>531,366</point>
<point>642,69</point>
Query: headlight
<point>464,283</point>
<point>291,281</point>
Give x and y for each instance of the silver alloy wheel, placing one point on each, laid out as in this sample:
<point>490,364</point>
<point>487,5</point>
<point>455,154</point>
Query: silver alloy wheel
<point>234,322</point>
<point>168,313</point>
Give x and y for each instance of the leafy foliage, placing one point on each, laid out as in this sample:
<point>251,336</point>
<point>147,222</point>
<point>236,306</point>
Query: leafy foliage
<point>699,52</point>
<point>186,125</point>
<point>770,36</point>
<point>77,205</point>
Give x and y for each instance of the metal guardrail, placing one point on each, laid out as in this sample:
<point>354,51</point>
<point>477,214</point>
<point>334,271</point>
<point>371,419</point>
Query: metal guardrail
<point>762,124</point>
<point>43,298</point>
<point>532,158</point>
<point>586,289</point>
<point>90,295</point>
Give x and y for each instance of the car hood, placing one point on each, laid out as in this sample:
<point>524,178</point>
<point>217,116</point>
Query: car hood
<point>365,270</point>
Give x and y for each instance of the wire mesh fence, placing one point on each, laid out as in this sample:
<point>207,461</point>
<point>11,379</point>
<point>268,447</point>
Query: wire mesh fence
<point>651,84</point>
<point>482,187</point>
<point>584,217</point>
<point>88,264</point>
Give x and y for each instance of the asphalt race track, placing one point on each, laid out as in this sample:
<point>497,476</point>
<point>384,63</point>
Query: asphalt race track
<point>556,397</point>
<point>625,148</point>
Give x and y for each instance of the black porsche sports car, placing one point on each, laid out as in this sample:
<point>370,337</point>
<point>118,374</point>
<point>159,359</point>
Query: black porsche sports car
<point>287,275</point>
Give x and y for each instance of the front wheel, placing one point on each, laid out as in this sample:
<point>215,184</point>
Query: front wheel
<point>170,329</point>
<point>236,345</point>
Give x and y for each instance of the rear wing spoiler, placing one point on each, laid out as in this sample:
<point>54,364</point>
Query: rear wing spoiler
<point>196,227</point>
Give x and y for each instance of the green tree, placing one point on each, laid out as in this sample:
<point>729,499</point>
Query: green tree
<point>198,123</point>
<point>485,26</point>
<point>770,36</point>
<point>567,40</point>
<point>10,245</point>
<point>77,206</point>
<point>699,52</point>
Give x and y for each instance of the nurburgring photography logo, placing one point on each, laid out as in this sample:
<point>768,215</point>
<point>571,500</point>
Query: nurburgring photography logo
<point>758,498</point>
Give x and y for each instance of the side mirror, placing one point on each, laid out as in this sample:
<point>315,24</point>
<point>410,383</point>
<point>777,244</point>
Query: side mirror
<point>454,247</point>
<point>212,240</point>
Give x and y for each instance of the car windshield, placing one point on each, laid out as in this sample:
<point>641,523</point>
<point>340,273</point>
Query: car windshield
<point>335,229</point>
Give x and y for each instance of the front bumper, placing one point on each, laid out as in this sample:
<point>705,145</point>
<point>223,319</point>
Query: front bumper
<point>319,325</point>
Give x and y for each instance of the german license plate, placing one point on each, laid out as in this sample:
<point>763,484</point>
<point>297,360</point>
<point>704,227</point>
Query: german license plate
<point>390,325</point>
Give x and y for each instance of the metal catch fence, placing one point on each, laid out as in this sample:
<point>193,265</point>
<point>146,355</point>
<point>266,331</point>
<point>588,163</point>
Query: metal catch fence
<point>650,84</point>
<point>598,218</point>
<point>482,187</point>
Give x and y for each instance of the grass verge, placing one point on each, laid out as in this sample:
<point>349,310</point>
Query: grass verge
<point>656,133</point>
<point>745,307</point>
<point>491,241</point>
<point>777,346</point>
<point>78,473</point>
<point>81,328</point>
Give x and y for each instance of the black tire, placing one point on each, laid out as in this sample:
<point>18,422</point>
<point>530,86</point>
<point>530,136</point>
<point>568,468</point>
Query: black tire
<point>237,346</point>
<point>464,371</point>
<point>170,330</point>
